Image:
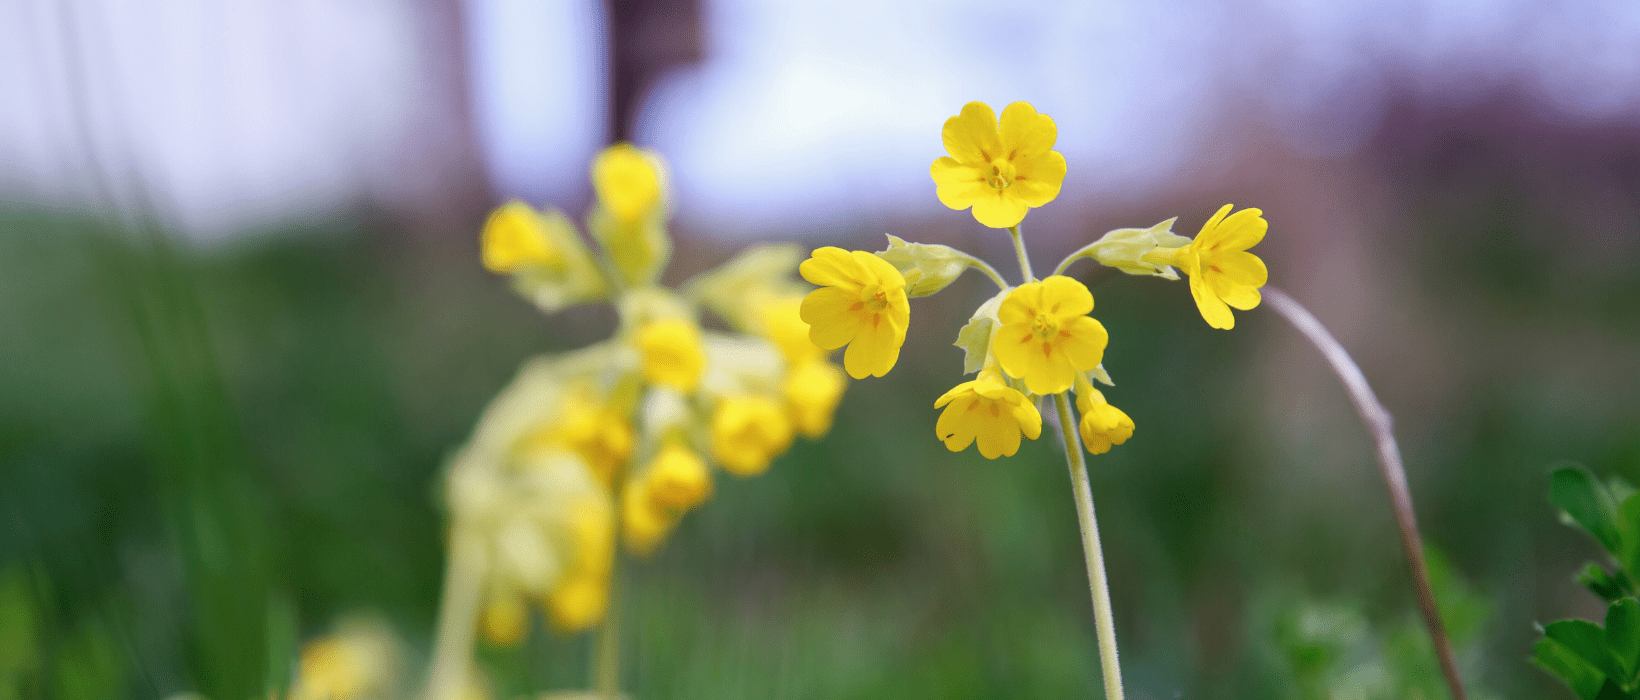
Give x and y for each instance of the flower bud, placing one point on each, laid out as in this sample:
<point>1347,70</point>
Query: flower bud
<point>927,268</point>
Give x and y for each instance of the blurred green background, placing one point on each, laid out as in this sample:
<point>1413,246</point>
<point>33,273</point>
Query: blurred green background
<point>218,439</point>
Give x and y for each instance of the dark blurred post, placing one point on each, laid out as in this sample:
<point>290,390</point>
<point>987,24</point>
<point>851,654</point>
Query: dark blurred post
<point>646,37</point>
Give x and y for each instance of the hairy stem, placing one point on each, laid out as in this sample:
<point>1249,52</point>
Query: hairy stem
<point>1094,555</point>
<point>1019,249</point>
<point>1381,425</point>
<point>458,612</point>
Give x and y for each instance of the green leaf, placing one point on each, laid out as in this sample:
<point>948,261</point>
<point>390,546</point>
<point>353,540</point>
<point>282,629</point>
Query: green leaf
<point>1623,637</point>
<point>1576,492</point>
<point>1610,691</point>
<point>1581,676</point>
<point>1603,584</point>
<point>1587,640</point>
<point>1628,520</point>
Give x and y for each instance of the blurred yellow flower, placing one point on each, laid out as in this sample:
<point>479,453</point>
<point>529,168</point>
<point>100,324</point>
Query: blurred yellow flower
<point>1102,424</point>
<point>1222,273</point>
<point>812,391</point>
<point>644,523</point>
<point>748,432</point>
<point>581,596</point>
<point>780,320</point>
<point>678,479</point>
<point>515,236</point>
<point>628,181</point>
<point>602,436</point>
<point>672,354</point>
<point>359,661</point>
<point>1046,336</point>
<point>861,303</point>
<point>1001,170</point>
<point>989,412</point>
<point>505,618</point>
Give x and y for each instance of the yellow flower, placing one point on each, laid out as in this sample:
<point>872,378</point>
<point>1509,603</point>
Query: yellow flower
<point>1046,336</point>
<point>1222,273</point>
<point>644,523</point>
<point>748,432</point>
<point>678,479</point>
<point>505,618</point>
<point>672,354</point>
<point>861,303</point>
<point>989,412</point>
<point>515,236</point>
<point>780,320</point>
<point>601,435</point>
<point>358,661</point>
<point>1000,171</point>
<point>582,595</point>
<point>628,181</point>
<point>1102,424</point>
<point>812,391</point>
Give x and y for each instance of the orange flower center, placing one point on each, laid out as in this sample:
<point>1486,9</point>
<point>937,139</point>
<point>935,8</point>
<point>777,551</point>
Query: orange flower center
<point>1044,327</point>
<point>873,298</point>
<point>1002,173</point>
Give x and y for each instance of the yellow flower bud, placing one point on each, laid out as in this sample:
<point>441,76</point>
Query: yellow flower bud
<point>1102,424</point>
<point>628,181</point>
<point>812,391</point>
<point>678,479</point>
<point>360,660</point>
<point>515,236</point>
<point>748,432</point>
<point>505,618</point>
<point>644,523</point>
<point>672,354</point>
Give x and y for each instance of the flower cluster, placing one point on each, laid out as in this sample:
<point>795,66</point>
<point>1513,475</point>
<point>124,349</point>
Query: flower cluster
<point>1035,339</point>
<point>615,442</point>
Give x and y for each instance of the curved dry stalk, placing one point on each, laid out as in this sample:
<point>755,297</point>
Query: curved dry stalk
<point>1379,422</point>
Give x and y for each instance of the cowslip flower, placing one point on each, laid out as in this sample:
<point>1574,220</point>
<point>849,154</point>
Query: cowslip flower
<point>1046,336</point>
<point>580,598</point>
<point>1001,170</point>
<point>748,432</point>
<point>812,390</point>
<point>678,480</point>
<point>602,436</point>
<point>644,523</point>
<point>1102,424</point>
<point>515,236</point>
<point>1222,273</point>
<point>628,181</point>
<point>988,412</point>
<point>861,303</point>
<point>780,320</point>
<point>672,354</point>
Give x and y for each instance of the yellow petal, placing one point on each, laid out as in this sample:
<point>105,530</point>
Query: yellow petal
<point>1029,419</point>
<point>1240,267</point>
<point>1063,297</point>
<point>628,181</point>
<point>1000,210</point>
<point>879,271</point>
<point>1025,132</point>
<point>875,347</point>
<point>832,267</point>
<point>833,321</point>
<point>1085,346</point>
<point>1037,178</point>
<point>1013,346</point>
<point>950,171</point>
<point>1021,305</point>
<point>1213,221</point>
<point>1050,371</point>
<point>1240,231</point>
<point>999,434</point>
<point>1213,309</point>
<point>972,136</point>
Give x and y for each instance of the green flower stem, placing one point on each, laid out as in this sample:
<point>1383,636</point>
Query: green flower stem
<point>453,648</point>
<point>989,271</point>
<point>1378,422</point>
<point>606,650</point>
<point>1019,249</point>
<point>1103,621</point>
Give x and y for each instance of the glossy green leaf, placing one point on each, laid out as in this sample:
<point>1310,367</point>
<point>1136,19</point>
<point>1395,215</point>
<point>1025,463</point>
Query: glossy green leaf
<point>1581,676</point>
<point>1603,584</point>
<point>1587,640</point>
<point>1576,492</point>
<point>1623,637</point>
<point>1628,521</point>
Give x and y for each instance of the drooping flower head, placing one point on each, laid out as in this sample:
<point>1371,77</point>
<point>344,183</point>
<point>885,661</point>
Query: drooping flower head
<point>989,412</point>
<point>1222,273</point>
<point>1001,170</point>
<point>1046,336</point>
<point>515,236</point>
<point>628,181</point>
<point>812,390</point>
<point>861,303</point>
<point>1102,424</point>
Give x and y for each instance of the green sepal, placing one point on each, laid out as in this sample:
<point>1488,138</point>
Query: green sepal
<point>975,336</point>
<point>927,267</point>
